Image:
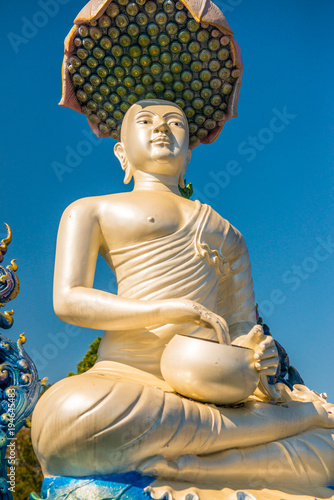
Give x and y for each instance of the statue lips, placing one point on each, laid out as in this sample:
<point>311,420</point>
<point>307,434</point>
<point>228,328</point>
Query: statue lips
<point>162,140</point>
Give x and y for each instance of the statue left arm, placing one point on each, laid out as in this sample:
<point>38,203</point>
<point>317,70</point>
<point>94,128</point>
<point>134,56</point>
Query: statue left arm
<point>236,302</point>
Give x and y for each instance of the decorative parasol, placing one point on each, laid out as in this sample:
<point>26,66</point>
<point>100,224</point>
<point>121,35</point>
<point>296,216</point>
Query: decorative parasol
<point>122,51</point>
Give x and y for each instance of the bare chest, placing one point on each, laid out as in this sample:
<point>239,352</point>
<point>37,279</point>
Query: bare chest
<point>131,221</point>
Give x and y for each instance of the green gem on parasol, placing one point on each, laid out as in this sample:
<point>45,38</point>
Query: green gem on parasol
<point>152,29</point>
<point>78,79</point>
<point>198,103</point>
<point>189,112</point>
<point>112,81</point>
<point>98,52</point>
<point>132,98</point>
<point>202,133</point>
<point>77,42</point>
<point>75,61</point>
<point>229,64</point>
<point>180,103</point>
<point>121,91</point>
<point>142,19</point>
<point>225,40</point>
<point>112,10</point>
<point>91,105</point>
<point>95,80</point>
<point>158,87</point>
<point>85,71</point>
<point>145,61</point>
<point>132,9</point>
<point>205,55</point>
<point>163,40</point>
<point>102,71</point>
<point>154,50</point>
<point>203,36</point>
<point>167,77</point>
<point>186,76</point>
<point>193,25</point>
<point>83,31</point>
<point>210,124</point>
<point>88,43</point>
<point>223,54</point>
<point>184,36</point>
<point>104,22</point>
<point>94,119</point>
<point>122,21</point>
<point>185,57</point>
<point>215,83</point>
<point>176,68</point>
<point>172,28</point>
<point>82,96</point>
<point>236,73</point>
<point>168,6</point>
<point>88,88</point>
<point>125,41</point>
<point>218,115</point>
<point>104,89</point>
<point>108,107</point>
<point>196,85</point>
<point>102,114</point>
<point>109,62</point>
<point>82,53</point>
<point>227,89</point>
<point>104,128</point>
<point>136,71</point>
<point>144,40</point>
<point>119,72</point>
<point>181,17</point>
<point>150,8</point>
<point>114,33</point>
<point>192,128</point>
<point>140,89</point>
<point>156,69</point>
<point>194,47</point>
<point>95,33</point>
<point>161,18</point>
<point>208,110</point>
<point>169,95</point>
<point>216,100</point>
<point>188,95</point>
<point>214,44</point>
<point>123,2</point>
<point>200,119</point>
<point>147,80</point>
<point>135,51</point>
<point>114,98</point>
<point>175,47</point>
<point>166,58</point>
<point>214,65</point>
<point>124,106</point>
<point>133,30</point>
<point>224,73</point>
<point>205,75</point>
<point>126,61</point>
<point>150,95</point>
<point>178,86</point>
<point>97,97</point>
<point>117,51</point>
<point>111,122</point>
<point>129,81</point>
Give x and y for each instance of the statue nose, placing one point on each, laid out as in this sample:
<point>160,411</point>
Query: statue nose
<point>162,127</point>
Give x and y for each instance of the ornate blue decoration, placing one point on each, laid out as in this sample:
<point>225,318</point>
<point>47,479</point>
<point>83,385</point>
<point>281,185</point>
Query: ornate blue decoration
<point>286,373</point>
<point>127,486</point>
<point>19,384</point>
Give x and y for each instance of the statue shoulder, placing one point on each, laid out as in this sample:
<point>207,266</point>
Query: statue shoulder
<point>220,232</point>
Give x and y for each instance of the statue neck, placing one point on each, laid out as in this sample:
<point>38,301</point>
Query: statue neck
<point>144,181</point>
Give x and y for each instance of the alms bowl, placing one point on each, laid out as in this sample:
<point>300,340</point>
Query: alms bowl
<point>209,372</point>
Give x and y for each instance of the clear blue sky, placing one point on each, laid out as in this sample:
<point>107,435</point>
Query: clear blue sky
<point>270,173</point>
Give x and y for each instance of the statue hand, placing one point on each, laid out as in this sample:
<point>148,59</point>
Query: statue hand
<point>266,355</point>
<point>188,311</point>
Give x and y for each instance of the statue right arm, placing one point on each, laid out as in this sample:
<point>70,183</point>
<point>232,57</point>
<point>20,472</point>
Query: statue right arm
<point>77,302</point>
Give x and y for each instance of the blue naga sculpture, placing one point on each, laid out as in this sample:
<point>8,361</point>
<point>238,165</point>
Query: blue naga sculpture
<point>19,384</point>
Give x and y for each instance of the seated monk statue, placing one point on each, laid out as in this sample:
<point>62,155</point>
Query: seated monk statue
<point>181,269</point>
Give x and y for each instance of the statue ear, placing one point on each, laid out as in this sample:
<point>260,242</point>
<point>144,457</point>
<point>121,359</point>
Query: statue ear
<point>120,154</point>
<point>183,171</point>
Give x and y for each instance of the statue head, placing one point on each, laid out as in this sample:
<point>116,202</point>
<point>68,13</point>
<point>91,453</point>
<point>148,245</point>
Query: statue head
<point>154,139</point>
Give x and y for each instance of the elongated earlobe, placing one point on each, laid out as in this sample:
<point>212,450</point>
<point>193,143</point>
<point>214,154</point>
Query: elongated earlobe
<point>120,154</point>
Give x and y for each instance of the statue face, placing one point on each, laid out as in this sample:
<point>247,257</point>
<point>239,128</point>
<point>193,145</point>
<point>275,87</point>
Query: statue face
<point>155,137</point>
